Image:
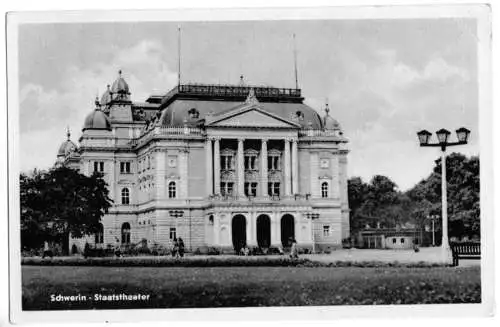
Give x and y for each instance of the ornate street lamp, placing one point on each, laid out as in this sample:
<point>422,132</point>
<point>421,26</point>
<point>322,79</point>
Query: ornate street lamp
<point>312,216</point>
<point>442,136</point>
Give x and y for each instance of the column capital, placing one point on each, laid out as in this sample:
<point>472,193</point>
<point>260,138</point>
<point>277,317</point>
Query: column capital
<point>240,139</point>
<point>214,138</point>
<point>265,139</point>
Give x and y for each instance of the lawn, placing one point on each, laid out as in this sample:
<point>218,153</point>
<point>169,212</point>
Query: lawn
<point>181,287</point>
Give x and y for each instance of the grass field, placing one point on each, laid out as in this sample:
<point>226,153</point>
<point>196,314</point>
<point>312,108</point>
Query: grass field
<point>180,287</point>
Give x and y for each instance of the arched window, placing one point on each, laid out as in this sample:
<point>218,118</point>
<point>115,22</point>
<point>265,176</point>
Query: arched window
<point>324,190</point>
<point>99,235</point>
<point>126,233</point>
<point>125,196</point>
<point>172,190</point>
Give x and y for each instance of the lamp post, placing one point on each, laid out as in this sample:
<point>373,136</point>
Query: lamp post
<point>433,218</point>
<point>312,216</point>
<point>443,135</point>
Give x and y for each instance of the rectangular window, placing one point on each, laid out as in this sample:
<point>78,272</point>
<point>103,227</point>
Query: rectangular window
<point>273,162</point>
<point>247,163</point>
<point>99,166</point>
<point>326,230</point>
<point>251,189</point>
<point>173,233</point>
<point>226,188</point>
<point>273,188</point>
<point>276,189</point>
<point>125,167</point>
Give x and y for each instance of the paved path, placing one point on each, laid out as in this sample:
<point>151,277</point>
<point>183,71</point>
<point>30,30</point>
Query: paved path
<point>430,255</point>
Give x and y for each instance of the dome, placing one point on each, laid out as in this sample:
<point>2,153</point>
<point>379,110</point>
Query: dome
<point>67,146</point>
<point>106,97</point>
<point>120,86</point>
<point>329,122</point>
<point>97,120</point>
<point>179,110</point>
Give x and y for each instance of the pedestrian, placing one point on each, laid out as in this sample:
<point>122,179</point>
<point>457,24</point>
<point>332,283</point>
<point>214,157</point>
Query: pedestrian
<point>294,253</point>
<point>46,250</point>
<point>181,247</point>
<point>175,250</point>
<point>117,251</point>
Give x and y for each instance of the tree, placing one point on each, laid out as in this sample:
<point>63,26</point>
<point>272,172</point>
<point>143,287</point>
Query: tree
<point>60,202</point>
<point>378,203</point>
<point>462,193</point>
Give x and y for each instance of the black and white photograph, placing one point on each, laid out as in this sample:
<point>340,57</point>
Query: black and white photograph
<point>284,158</point>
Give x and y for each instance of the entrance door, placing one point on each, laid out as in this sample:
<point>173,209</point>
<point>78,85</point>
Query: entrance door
<point>264,231</point>
<point>287,230</point>
<point>239,232</point>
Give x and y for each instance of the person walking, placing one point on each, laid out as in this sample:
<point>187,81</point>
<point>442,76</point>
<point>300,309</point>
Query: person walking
<point>181,247</point>
<point>294,252</point>
<point>175,250</point>
<point>46,250</point>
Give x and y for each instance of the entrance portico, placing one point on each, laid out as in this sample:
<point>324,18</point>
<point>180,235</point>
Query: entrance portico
<point>262,229</point>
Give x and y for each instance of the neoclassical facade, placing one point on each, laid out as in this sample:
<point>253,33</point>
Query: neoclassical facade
<point>219,165</point>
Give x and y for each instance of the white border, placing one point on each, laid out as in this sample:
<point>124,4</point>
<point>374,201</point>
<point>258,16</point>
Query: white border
<point>288,313</point>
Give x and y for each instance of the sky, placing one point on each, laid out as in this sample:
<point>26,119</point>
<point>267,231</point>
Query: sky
<point>384,80</point>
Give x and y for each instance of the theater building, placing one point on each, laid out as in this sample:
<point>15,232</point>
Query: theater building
<point>218,165</point>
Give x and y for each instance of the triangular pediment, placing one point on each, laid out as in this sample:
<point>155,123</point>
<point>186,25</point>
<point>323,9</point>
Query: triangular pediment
<point>251,117</point>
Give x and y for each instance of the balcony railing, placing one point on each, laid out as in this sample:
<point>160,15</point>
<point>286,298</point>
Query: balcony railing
<point>167,131</point>
<point>268,198</point>
<point>237,91</point>
<point>318,132</point>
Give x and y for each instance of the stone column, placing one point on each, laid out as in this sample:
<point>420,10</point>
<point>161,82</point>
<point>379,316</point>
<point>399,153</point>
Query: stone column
<point>252,230</point>
<point>263,168</point>
<point>295,168</point>
<point>287,168</point>
<point>275,230</point>
<point>217,166</point>
<point>209,168</point>
<point>241,169</point>
<point>216,229</point>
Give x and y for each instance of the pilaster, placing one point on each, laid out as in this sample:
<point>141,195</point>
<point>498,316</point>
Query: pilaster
<point>217,165</point>
<point>295,167</point>
<point>241,168</point>
<point>209,168</point>
<point>287,168</point>
<point>263,168</point>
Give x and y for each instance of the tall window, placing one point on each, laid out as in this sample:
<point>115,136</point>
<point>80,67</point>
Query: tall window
<point>226,188</point>
<point>125,167</point>
<point>250,162</point>
<point>99,166</point>
<point>324,190</point>
<point>99,235</point>
<point>251,189</point>
<point>273,162</point>
<point>226,162</point>
<point>326,230</point>
<point>126,233</point>
<point>125,196</point>
<point>173,233</point>
<point>273,188</point>
<point>172,190</point>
